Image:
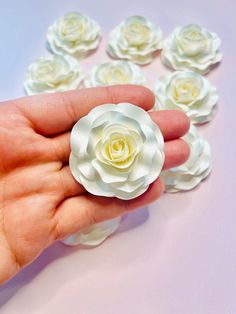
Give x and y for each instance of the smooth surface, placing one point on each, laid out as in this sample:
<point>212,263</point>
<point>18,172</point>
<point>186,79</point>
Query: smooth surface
<point>178,257</point>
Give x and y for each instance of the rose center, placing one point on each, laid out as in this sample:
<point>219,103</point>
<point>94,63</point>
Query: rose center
<point>72,29</point>
<point>118,146</point>
<point>113,75</point>
<point>185,91</point>
<point>192,41</point>
<point>136,33</point>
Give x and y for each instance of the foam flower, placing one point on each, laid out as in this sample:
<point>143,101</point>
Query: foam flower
<point>75,34</point>
<point>115,72</point>
<point>116,151</point>
<point>135,39</point>
<point>53,74</point>
<point>95,234</point>
<point>195,169</point>
<point>187,91</point>
<point>191,47</point>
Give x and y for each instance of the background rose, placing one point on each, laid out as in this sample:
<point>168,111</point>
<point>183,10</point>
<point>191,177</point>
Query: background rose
<point>94,235</point>
<point>53,73</point>
<point>191,47</point>
<point>135,39</point>
<point>116,150</point>
<point>74,34</point>
<point>115,72</point>
<point>189,92</point>
<point>195,169</point>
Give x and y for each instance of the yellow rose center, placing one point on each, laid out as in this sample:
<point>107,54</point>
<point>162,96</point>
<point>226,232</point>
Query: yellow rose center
<point>50,71</point>
<point>118,146</point>
<point>136,33</point>
<point>110,75</point>
<point>192,40</point>
<point>72,28</point>
<point>185,90</point>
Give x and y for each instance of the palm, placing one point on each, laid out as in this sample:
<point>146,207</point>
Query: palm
<point>40,201</point>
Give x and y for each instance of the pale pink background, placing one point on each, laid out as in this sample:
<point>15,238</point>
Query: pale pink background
<point>178,256</point>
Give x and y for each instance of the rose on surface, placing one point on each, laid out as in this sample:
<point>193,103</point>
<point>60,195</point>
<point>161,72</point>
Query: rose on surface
<point>135,39</point>
<point>95,234</point>
<point>187,91</point>
<point>116,151</point>
<point>75,34</point>
<point>53,74</point>
<point>194,170</point>
<point>191,47</point>
<point>113,73</point>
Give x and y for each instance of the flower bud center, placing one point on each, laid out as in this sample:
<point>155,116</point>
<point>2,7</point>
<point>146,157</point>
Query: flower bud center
<point>185,90</point>
<point>136,33</point>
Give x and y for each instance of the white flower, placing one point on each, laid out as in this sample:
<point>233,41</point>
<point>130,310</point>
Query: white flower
<point>115,72</point>
<point>116,150</point>
<point>195,169</point>
<point>191,47</point>
<point>135,39</point>
<point>75,34</point>
<point>53,74</point>
<point>187,91</point>
<point>95,234</point>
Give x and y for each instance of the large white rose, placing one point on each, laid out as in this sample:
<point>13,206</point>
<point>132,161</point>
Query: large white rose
<point>191,47</point>
<point>136,39</point>
<point>194,170</point>
<point>53,74</point>
<point>187,91</point>
<point>116,150</point>
<point>95,234</point>
<point>75,34</point>
<point>115,72</point>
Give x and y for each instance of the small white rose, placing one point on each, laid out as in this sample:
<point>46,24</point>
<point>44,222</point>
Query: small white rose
<point>187,91</point>
<point>113,73</point>
<point>95,234</point>
<point>116,151</point>
<point>135,39</point>
<point>53,74</point>
<point>194,170</point>
<point>191,47</point>
<point>75,34</point>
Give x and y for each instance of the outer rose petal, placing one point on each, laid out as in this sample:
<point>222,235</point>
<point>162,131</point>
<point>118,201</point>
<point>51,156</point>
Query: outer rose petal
<point>194,170</point>
<point>94,235</point>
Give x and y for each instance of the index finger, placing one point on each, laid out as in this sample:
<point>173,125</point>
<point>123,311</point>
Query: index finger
<point>50,114</point>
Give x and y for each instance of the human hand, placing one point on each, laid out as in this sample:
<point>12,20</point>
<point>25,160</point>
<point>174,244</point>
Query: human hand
<point>40,201</point>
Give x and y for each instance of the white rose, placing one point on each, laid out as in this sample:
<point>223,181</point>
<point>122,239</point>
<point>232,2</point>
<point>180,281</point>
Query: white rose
<point>115,72</point>
<point>75,34</point>
<point>95,234</point>
<point>187,91</point>
<point>116,150</point>
<point>135,39</point>
<point>191,47</point>
<point>195,169</point>
<point>53,74</point>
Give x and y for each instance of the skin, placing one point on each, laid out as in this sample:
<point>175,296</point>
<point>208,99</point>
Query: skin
<point>40,201</point>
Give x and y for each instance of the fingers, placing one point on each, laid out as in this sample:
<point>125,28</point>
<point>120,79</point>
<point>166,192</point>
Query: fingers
<point>173,123</point>
<point>79,212</point>
<point>50,114</point>
<point>68,183</point>
<point>176,153</point>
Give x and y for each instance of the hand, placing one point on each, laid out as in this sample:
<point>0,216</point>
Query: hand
<point>40,202</point>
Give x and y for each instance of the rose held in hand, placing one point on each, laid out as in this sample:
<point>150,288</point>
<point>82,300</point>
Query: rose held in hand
<point>116,150</point>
